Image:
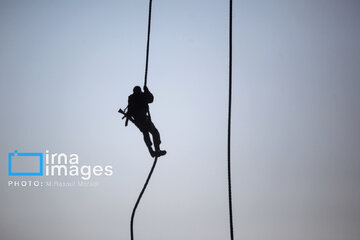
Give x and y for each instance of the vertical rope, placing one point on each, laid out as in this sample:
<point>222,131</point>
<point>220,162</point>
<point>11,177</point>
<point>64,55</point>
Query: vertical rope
<point>229,122</point>
<point>155,161</point>
<point>139,198</point>
<point>148,44</point>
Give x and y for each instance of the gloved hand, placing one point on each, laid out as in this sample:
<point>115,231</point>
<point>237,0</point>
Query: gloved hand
<point>146,89</point>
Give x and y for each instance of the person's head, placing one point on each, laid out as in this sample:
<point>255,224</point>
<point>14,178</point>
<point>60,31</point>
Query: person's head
<point>137,90</point>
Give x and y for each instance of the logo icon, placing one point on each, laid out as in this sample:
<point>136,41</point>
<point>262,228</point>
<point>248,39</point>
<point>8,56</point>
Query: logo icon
<point>25,164</point>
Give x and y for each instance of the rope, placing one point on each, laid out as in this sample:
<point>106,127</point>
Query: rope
<point>229,122</point>
<point>155,160</point>
<point>148,44</point>
<point>139,198</point>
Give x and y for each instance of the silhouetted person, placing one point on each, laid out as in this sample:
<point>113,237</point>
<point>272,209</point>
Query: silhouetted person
<point>138,109</point>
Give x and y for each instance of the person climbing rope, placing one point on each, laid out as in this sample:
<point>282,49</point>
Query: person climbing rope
<point>138,113</point>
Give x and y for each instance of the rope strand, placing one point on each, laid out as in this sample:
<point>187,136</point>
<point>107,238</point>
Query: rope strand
<point>229,122</point>
<point>148,44</point>
<point>155,161</point>
<point>139,198</point>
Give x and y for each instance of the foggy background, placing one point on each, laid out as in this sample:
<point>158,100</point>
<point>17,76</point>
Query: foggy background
<point>67,66</point>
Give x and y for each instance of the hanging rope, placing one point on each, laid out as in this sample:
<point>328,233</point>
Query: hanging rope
<point>148,44</point>
<point>139,198</point>
<point>155,160</point>
<point>229,122</point>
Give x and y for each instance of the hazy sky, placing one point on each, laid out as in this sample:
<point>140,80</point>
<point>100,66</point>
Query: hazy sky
<point>67,66</point>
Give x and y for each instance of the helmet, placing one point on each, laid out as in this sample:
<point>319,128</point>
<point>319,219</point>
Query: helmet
<point>137,90</point>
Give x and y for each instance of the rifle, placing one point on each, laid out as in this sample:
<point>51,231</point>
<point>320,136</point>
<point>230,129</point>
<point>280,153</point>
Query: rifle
<point>126,115</point>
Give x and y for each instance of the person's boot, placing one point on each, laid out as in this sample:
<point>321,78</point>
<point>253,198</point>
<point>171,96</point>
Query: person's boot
<point>153,154</point>
<point>158,152</point>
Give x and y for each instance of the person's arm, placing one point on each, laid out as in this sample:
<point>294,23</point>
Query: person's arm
<point>148,94</point>
<point>130,104</point>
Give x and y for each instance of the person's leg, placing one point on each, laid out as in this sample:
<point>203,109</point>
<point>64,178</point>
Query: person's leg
<point>155,136</point>
<point>156,139</point>
<point>148,142</point>
<point>143,126</point>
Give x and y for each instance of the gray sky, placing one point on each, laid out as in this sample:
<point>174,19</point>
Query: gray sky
<point>67,66</point>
